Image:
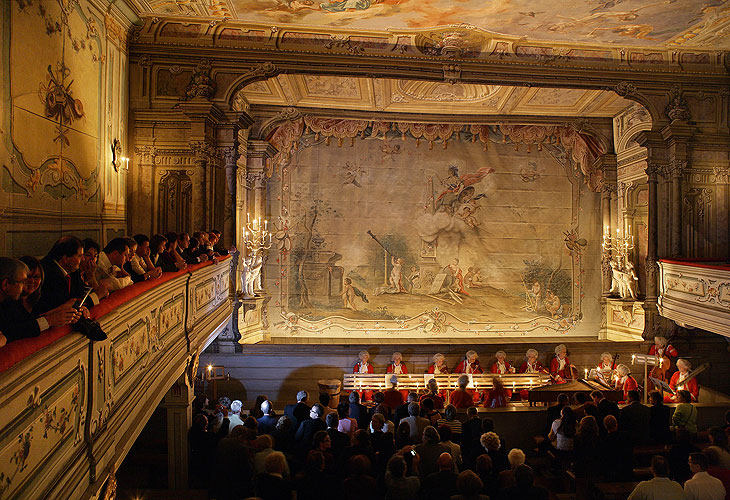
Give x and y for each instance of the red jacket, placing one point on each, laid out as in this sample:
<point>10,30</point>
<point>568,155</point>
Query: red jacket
<point>565,372</point>
<point>507,366</point>
<point>393,398</point>
<point>444,369</point>
<point>390,368</point>
<point>495,399</point>
<point>690,386</point>
<point>462,399</point>
<point>630,384</point>
<point>356,368</point>
<point>538,366</point>
<point>668,351</point>
<point>476,367</point>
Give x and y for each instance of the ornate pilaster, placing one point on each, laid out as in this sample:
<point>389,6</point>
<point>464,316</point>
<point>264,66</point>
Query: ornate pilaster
<point>607,191</point>
<point>177,403</point>
<point>676,169</point>
<point>652,268</point>
<point>258,170</point>
<point>203,157</point>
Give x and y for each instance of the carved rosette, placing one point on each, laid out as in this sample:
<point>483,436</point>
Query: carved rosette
<point>677,108</point>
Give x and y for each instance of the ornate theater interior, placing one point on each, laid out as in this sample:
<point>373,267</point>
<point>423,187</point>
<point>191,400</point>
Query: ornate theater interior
<point>405,176</point>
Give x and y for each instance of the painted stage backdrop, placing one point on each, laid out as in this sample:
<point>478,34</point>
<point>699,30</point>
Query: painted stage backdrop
<point>400,233</point>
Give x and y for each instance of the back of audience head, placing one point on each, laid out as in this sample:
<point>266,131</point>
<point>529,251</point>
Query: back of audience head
<point>412,397</point>
<point>200,423</point>
<point>450,412</point>
<point>568,422</point>
<point>484,465</point>
<point>445,432</point>
<point>524,476</point>
<point>239,432</point>
<point>332,420</point>
<point>718,437</point>
<point>396,466</point>
<point>250,423</point>
<point>563,399</point>
<point>684,396</point>
<point>225,401</point>
<point>468,484</point>
<point>404,429</point>
<point>354,398</point>
<point>343,410</point>
<point>266,407</point>
<point>659,466</point>
<point>315,461</point>
<point>633,396</point>
<point>655,397</point>
<point>263,442</point>
<point>472,412</point>
<point>516,457</point>
<point>713,456</point>
<point>430,435</point>
<point>490,441</point>
<point>427,405</point>
<point>361,437</point>
<point>433,386</point>
<point>319,438</point>
<point>413,409</point>
<point>324,399</point>
<point>610,423</point>
<point>378,398</point>
<point>445,461</point>
<point>596,396</point>
<point>359,465</point>
<point>171,239</point>
<point>588,427</point>
<point>302,396</point>
<point>236,406</point>
<point>275,463</point>
<point>580,398</point>
<point>487,424</point>
<point>284,424</point>
<point>462,381</point>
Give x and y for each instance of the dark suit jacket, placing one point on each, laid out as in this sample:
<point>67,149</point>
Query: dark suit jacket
<point>659,424</point>
<point>439,485</point>
<point>136,278</point>
<point>605,408</point>
<point>266,424</point>
<point>340,441</point>
<point>298,413</point>
<point>360,413</point>
<point>167,263</point>
<point>306,431</point>
<point>55,290</point>
<point>616,449</point>
<point>471,432</point>
<point>635,422</point>
<point>16,323</point>
<point>400,413</point>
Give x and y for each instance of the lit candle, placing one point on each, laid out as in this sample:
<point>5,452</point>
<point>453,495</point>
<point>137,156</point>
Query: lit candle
<point>661,360</point>
<point>586,373</point>
<point>633,358</point>
<point>266,224</point>
<point>248,217</point>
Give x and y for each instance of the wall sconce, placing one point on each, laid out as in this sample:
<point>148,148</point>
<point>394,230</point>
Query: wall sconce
<point>120,163</point>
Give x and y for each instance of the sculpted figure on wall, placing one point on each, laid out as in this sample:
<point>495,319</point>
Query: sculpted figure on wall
<point>624,281</point>
<point>251,275</point>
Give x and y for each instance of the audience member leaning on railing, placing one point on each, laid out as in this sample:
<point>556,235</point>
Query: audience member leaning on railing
<point>37,295</point>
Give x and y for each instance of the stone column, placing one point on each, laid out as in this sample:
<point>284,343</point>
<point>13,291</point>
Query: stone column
<point>177,403</point>
<point>652,268</point>
<point>258,156</point>
<point>202,199</point>
<point>230,156</point>
<point>606,189</point>
<point>676,170</point>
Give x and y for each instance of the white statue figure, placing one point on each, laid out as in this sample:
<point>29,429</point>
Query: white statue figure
<point>623,279</point>
<point>632,280</point>
<point>251,275</point>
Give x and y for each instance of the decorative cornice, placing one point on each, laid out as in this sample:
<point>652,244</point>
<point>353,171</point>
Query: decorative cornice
<point>722,175</point>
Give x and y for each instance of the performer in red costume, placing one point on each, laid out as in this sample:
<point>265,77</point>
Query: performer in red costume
<point>439,365</point>
<point>560,368</point>
<point>667,356</point>
<point>660,348</point>
<point>606,367</point>
<point>363,366</point>
<point>498,396</point>
<point>501,367</point>
<point>625,382</point>
<point>462,397</point>
<point>677,381</point>
<point>470,364</point>
<point>396,366</point>
<point>530,365</point>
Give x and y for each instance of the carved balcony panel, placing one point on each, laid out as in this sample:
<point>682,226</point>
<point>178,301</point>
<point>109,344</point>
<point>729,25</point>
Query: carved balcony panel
<point>71,409</point>
<point>696,294</point>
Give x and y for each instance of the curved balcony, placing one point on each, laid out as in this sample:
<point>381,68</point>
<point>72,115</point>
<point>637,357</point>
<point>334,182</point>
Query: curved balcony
<point>696,294</point>
<point>72,408</point>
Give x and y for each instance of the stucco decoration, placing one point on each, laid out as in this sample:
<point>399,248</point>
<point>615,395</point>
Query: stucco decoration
<point>457,250</point>
<point>52,126</point>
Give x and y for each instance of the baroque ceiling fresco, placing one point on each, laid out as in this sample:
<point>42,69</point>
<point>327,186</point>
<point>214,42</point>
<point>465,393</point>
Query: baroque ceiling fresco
<point>414,96</point>
<point>685,23</point>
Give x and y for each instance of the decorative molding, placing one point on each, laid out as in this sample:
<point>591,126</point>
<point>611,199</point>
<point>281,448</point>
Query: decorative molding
<point>452,72</point>
<point>677,109</point>
<point>676,168</point>
<point>201,84</point>
<point>721,175</point>
<point>625,89</point>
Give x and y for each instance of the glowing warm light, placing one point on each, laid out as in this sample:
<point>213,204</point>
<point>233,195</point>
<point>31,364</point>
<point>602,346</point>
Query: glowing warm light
<point>633,358</point>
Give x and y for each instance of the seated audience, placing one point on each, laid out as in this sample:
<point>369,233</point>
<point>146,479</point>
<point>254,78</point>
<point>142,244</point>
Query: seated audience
<point>524,488</point>
<point>392,397</point>
<point>322,443</point>
<point>346,424</point>
<point>417,424</point>
<point>110,263</point>
<point>497,396</point>
<point>87,268</point>
<point>516,457</point>
<point>702,486</point>
<point>483,468</point>
<point>298,412</point>
<point>202,444</point>
<point>267,421</point>
<point>324,400</point>
<point>715,470</point>
<point>471,433</point>
<point>455,449</point>
<point>255,410</point>
<point>271,485</point>
<point>234,416</point>
<point>492,445</point>
<point>398,485</point>
<point>359,483</point>
<point>554,412</point>
<point>384,411</point>
<point>141,263</point>
<point>231,466</point>
<point>584,406</point>
<point>188,254</point>
<point>429,451</point>
<point>719,443</point>
<point>605,407</point>
<point>659,419</point>
<point>158,243</point>
<point>450,419</point>
<point>16,320</point>
<point>403,435</point>
<point>616,449</point>
<point>170,259</point>
<point>358,411</point>
<point>679,453</point>
<point>469,487</point>
<point>634,419</point>
<point>264,446</point>
<point>339,440</point>
<point>360,446</point>
<point>402,411</point>
<point>305,432</point>
<point>429,413</point>
<point>312,483</point>
<point>283,435</point>
<point>562,431</point>
<point>440,485</point>
<point>685,414</point>
<point>587,449</point>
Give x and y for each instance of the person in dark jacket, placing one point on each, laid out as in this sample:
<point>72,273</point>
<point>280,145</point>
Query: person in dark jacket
<point>298,412</point>
<point>605,408</point>
<point>359,412</point>
<point>308,428</point>
<point>659,419</point>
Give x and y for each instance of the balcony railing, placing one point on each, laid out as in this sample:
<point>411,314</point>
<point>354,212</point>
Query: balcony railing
<point>70,409</point>
<point>696,294</point>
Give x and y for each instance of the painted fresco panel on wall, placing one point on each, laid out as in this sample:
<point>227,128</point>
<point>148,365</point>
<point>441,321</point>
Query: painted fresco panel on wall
<point>387,235</point>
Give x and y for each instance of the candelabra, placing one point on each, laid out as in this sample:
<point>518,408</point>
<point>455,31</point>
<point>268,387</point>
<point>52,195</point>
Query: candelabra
<point>256,237</point>
<point>621,245</point>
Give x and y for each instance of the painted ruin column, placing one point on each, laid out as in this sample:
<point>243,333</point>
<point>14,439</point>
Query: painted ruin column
<point>258,157</point>
<point>177,403</point>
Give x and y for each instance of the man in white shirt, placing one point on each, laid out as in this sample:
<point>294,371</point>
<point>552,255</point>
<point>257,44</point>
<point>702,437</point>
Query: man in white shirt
<point>660,487</point>
<point>110,263</point>
<point>702,486</point>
